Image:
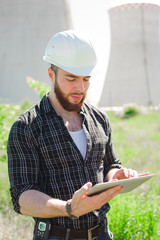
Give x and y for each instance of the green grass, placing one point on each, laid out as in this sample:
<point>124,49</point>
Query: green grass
<point>135,215</point>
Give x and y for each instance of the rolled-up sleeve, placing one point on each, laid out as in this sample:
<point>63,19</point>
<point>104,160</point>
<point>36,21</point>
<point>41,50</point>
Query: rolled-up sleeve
<point>23,161</point>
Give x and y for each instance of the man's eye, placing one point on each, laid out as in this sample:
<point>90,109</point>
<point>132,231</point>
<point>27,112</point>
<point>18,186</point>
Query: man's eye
<point>87,80</point>
<point>70,80</point>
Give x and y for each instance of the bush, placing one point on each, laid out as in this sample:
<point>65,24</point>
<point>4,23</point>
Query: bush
<point>128,110</point>
<point>40,88</point>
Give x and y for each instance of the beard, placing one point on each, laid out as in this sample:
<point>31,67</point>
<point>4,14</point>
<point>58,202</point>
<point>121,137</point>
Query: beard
<point>63,99</point>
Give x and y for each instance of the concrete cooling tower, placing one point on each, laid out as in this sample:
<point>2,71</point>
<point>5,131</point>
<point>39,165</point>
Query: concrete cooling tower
<point>25,29</point>
<point>133,74</point>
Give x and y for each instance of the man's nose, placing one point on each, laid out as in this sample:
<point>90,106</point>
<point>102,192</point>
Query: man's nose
<point>80,86</point>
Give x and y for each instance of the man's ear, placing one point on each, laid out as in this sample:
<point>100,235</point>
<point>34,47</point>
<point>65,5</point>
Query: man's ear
<point>51,74</point>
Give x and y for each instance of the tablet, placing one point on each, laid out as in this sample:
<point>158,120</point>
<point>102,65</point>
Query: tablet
<point>129,184</point>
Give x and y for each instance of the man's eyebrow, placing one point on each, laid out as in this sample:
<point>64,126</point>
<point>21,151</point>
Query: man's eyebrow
<point>74,76</point>
<point>87,76</point>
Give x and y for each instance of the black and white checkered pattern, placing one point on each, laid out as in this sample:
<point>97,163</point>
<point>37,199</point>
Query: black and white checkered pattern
<point>43,156</point>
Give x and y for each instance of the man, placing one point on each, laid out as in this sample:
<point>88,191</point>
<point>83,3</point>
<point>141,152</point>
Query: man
<point>62,146</point>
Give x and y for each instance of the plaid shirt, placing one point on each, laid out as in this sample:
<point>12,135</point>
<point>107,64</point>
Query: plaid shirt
<point>43,156</point>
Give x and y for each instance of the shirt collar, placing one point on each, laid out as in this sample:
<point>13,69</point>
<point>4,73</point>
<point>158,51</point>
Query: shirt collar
<point>46,105</point>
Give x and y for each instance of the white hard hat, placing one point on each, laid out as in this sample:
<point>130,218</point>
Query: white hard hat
<point>71,51</point>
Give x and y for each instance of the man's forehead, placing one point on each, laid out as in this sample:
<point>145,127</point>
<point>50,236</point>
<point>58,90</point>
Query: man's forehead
<point>67,74</point>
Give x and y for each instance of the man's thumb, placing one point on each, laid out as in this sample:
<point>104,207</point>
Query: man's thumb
<point>84,189</point>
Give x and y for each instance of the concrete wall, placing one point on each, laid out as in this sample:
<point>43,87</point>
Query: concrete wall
<point>133,74</point>
<point>25,29</point>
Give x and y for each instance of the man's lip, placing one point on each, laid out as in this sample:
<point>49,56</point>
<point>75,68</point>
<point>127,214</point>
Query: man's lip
<point>76,98</point>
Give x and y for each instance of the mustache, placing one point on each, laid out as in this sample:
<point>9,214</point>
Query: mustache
<point>78,94</point>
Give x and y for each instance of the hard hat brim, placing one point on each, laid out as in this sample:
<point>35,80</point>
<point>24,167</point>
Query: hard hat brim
<point>81,71</point>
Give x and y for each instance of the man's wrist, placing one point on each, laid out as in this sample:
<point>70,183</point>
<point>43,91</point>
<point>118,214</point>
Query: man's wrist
<point>68,210</point>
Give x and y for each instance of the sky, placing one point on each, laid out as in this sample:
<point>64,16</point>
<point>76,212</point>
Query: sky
<point>92,18</point>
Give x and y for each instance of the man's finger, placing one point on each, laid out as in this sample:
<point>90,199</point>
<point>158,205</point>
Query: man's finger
<point>121,173</point>
<point>109,194</point>
<point>83,190</point>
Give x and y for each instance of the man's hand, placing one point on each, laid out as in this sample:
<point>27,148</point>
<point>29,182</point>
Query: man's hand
<point>123,173</point>
<point>82,204</point>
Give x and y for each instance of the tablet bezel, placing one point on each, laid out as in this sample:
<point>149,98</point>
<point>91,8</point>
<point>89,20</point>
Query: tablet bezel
<point>129,184</point>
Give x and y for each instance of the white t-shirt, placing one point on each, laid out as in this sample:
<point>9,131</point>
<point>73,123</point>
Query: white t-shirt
<point>79,137</point>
